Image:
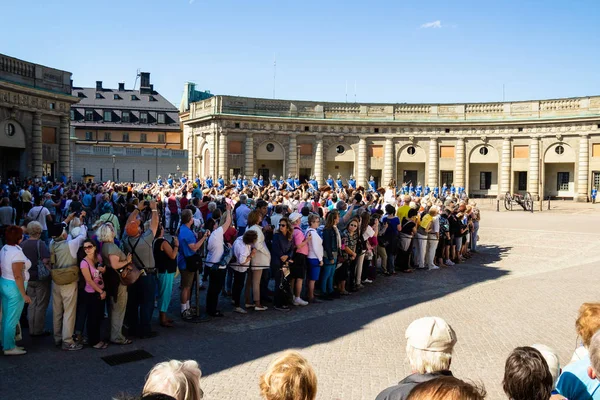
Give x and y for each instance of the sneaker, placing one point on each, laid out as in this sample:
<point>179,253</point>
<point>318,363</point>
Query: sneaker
<point>448,262</point>
<point>367,281</point>
<point>15,352</point>
<point>187,315</point>
<point>249,305</point>
<point>283,308</point>
<point>260,308</point>
<point>433,267</point>
<point>71,346</point>
<point>240,310</point>
<point>299,302</point>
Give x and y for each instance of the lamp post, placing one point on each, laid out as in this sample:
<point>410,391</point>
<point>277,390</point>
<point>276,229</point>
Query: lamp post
<point>114,158</point>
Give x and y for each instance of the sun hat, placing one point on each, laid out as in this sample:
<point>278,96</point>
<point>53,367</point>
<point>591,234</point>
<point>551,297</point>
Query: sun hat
<point>431,334</point>
<point>295,217</point>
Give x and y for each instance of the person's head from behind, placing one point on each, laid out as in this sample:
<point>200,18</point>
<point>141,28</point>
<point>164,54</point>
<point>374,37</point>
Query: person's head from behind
<point>526,375</point>
<point>594,349</point>
<point>180,379</point>
<point>289,377</point>
<point>250,237</point>
<point>447,388</point>
<point>552,361</point>
<point>429,345</point>
<point>588,322</point>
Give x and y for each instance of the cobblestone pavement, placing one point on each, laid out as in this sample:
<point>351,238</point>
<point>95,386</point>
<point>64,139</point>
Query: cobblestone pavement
<point>525,287</point>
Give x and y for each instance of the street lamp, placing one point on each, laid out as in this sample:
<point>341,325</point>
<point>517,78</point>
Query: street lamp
<point>114,158</point>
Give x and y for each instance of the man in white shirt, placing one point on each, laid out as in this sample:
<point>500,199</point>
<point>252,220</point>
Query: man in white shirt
<point>215,250</point>
<point>40,214</point>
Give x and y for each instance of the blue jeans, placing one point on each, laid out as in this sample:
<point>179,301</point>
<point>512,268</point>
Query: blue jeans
<point>327,273</point>
<point>12,306</point>
<point>140,305</point>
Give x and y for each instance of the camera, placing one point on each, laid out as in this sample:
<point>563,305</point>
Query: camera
<point>146,203</point>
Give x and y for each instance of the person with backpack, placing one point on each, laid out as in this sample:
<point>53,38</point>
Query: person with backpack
<point>443,248</point>
<point>41,214</point>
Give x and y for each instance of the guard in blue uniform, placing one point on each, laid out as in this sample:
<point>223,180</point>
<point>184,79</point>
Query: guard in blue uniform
<point>274,181</point>
<point>220,182</point>
<point>411,190</point>
<point>159,181</point>
<point>330,182</point>
<point>261,182</point>
<point>209,182</point>
<point>436,192</point>
<point>255,179</point>
<point>404,188</point>
<point>281,183</point>
<point>461,190</point>
<point>296,182</point>
<point>444,190</point>
<point>339,185</point>
<point>452,189</point>
<point>314,185</point>
<point>170,181</point>
<point>372,184</point>
<point>594,194</point>
<point>427,190</point>
<point>183,179</point>
<point>290,182</point>
<point>352,182</point>
<point>245,182</point>
<point>419,190</point>
<point>197,180</point>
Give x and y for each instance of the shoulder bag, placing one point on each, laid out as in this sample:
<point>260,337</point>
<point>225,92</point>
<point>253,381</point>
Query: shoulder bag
<point>62,276</point>
<point>129,274</point>
<point>43,272</point>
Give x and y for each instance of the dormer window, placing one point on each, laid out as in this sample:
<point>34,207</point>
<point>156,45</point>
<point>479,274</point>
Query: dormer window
<point>161,118</point>
<point>89,115</point>
<point>134,97</point>
<point>107,116</point>
<point>143,117</point>
<point>72,115</point>
<point>151,98</point>
<point>116,97</point>
<point>99,96</point>
<point>80,94</point>
<point>125,116</point>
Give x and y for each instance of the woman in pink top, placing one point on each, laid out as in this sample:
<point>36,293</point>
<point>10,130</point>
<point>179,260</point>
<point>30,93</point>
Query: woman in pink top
<point>315,256</point>
<point>298,267</point>
<point>94,294</point>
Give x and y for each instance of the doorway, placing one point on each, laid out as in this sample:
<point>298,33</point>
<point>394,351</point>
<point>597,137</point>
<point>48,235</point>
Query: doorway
<point>447,178</point>
<point>264,172</point>
<point>304,174</point>
<point>410,176</point>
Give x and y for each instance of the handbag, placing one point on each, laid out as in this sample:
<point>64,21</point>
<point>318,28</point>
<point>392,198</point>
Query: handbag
<point>129,274</point>
<point>405,241</point>
<point>193,263</point>
<point>43,272</point>
<point>65,276</point>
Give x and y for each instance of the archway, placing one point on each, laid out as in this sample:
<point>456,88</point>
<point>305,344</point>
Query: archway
<point>339,159</point>
<point>483,171</point>
<point>205,162</point>
<point>12,148</point>
<point>410,167</point>
<point>270,156</point>
<point>559,170</point>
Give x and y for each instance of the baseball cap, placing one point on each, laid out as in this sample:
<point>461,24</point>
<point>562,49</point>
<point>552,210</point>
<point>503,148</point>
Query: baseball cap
<point>295,217</point>
<point>55,230</point>
<point>431,334</point>
<point>132,228</point>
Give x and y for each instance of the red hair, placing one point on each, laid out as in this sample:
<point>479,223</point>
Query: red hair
<point>13,235</point>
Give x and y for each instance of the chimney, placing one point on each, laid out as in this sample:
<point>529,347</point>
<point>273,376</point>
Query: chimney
<point>98,86</point>
<point>144,82</point>
<point>121,86</point>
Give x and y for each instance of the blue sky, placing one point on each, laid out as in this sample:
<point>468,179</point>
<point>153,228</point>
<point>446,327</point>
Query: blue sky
<point>395,51</point>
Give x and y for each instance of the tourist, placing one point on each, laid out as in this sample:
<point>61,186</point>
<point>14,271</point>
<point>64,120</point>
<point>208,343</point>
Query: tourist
<point>260,261</point>
<point>433,235</point>
<point>408,230</point>
<point>13,283</point>
<point>332,244</point>
<point>141,294</point>
<point>429,345</point>
<point>241,215</point>
<point>215,251</point>
<point>281,257</point>
<point>94,295</point>
<point>349,243</point>
<point>575,382</point>
<point>65,274</point>
<point>289,377</point>
<point>38,286</point>
<point>7,216</point>
<point>447,388</point>
<point>165,259</point>
<point>315,257</point>
<point>392,226</point>
<point>41,214</point>
<point>243,253</point>
<point>594,368</point>
<point>298,269</point>
<point>179,379</point>
<point>553,363</point>
<point>117,261</point>
<point>527,376</point>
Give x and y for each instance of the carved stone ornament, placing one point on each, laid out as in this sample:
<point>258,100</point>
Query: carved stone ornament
<point>271,136</point>
<point>559,137</point>
<point>341,138</point>
<point>484,139</point>
<point>411,139</point>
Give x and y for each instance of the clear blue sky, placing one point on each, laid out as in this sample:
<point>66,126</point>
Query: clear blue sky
<point>538,49</point>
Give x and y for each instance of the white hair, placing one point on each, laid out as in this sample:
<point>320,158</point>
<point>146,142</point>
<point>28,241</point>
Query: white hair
<point>594,349</point>
<point>212,206</point>
<point>179,379</point>
<point>106,232</point>
<point>426,362</point>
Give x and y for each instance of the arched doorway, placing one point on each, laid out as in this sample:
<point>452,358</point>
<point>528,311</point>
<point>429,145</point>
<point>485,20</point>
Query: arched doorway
<point>206,162</point>
<point>483,171</point>
<point>411,165</point>
<point>269,159</point>
<point>12,146</point>
<point>559,170</point>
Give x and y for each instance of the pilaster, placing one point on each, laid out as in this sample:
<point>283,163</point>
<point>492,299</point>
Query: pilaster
<point>534,167</point>
<point>36,146</point>
<point>388,164</point>
<point>583,169</point>
<point>319,159</point>
<point>459,169</point>
<point>505,167</point>
<point>292,158</point>
<point>433,163</point>
<point>249,155</point>
<point>223,155</point>
<point>362,162</point>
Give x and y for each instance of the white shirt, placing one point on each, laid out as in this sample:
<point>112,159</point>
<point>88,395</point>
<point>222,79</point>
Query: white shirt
<point>435,224</point>
<point>215,246</point>
<point>389,198</point>
<point>315,245</point>
<point>41,218</point>
<point>242,253</point>
<point>262,258</point>
<point>10,255</point>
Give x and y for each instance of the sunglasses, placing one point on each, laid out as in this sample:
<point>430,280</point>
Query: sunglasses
<point>88,247</point>
<point>354,225</point>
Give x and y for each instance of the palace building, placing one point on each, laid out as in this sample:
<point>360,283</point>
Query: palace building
<point>549,148</point>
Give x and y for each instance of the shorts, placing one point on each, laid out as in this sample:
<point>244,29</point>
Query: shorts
<point>314,270</point>
<point>187,278</point>
<point>298,267</point>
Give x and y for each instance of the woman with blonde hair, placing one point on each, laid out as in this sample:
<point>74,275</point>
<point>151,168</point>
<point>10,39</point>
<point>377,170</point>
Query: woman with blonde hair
<point>289,377</point>
<point>179,379</point>
<point>446,388</point>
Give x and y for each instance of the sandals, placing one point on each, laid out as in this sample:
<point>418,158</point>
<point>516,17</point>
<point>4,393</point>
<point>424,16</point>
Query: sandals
<point>100,345</point>
<point>124,342</point>
<point>167,324</point>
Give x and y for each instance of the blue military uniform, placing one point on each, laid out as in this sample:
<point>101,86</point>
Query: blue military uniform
<point>372,186</point>
<point>352,183</point>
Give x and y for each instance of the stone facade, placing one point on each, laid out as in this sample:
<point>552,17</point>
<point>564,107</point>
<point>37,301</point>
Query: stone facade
<point>545,147</point>
<point>34,119</point>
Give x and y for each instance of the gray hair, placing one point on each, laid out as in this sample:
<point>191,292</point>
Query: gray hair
<point>426,362</point>
<point>212,206</point>
<point>243,198</point>
<point>594,350</point>
<point>186,216</point>
<point>106,233</point>
<point>34,229</point>
<point>179,379</point>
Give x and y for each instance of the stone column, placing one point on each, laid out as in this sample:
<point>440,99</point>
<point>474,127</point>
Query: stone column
<point>292,159</point>
<point>534,168</point>
<point>223,156</point>
<point>583,169</point>
<point>64,150</point>
<point>36,146</point>
<point>189,136</point>
<point>505,167</point>
<point>212,150</point>
<point>388,162</point>
<point>459,169</point>
<point>362,163</point>
<point>433,163</point>
<point>319,159</point>
<point>249,156</point>
<point>198,161</point>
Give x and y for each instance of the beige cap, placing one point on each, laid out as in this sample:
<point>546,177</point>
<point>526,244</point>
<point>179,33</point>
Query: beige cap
<point>294,217</point>
<point>431,334</point>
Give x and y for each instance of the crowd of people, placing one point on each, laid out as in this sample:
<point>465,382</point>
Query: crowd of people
<point>115,249</point>
<point>530,372</point>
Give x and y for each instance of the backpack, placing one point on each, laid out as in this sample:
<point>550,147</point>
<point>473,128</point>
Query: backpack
<point>444,225</point>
